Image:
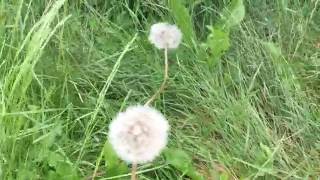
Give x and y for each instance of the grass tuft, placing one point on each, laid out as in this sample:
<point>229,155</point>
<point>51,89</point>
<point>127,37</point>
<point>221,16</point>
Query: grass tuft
<point>67,67</point>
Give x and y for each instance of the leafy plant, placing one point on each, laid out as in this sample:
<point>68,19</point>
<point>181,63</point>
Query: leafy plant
<point>114,166</point>
<point>233,14</point>
<point>218,41</point>
<point>183,19</point>
<point>182,161</point>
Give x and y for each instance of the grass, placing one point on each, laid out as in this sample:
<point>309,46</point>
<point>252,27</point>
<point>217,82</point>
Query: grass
<point>67,67</point>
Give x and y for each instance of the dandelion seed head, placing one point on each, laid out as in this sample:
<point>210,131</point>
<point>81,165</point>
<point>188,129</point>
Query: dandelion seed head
<point>138,134</point>
<point>164,35</point>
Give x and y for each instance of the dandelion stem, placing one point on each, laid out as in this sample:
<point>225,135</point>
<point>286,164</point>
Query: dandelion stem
<point>134,171</point>
<point>165,78</point>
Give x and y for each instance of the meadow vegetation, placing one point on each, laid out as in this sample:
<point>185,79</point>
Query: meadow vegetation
<point>242,98</point>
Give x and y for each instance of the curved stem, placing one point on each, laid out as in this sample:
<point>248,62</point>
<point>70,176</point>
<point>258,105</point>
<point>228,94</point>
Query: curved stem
<point>165,78</point>
<point>134,171</point>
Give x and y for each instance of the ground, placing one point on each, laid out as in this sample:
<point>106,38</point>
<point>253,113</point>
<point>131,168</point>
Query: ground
<point>242,98</point>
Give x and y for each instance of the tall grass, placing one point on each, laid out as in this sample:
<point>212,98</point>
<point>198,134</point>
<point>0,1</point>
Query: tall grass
<point>67,67</point>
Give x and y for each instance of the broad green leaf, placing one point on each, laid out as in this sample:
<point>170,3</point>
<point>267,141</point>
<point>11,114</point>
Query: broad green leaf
<point>63,171</point>
<point>233,14</point>
<point>183,19</point>
<point>217,44</point>
<point>181,161</point>
<point>67,171</point>
<point>114,166</point>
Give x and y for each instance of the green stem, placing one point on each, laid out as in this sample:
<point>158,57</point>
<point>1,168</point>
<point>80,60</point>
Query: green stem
<point>165,78</point>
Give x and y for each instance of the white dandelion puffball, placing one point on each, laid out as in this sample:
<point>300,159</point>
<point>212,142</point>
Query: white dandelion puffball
<point>138,134</point>
<point>164,35</point>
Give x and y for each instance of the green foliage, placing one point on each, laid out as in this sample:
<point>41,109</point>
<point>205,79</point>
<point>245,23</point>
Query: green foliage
<point>114,166</point>
<point>182,161</point>
<point>66,71</point>
<point>182,19</point>
<point>217,44</point>
<point>39,36</point>
<point>62,169</point>
<point>233,14</point>
<point>272,49</point>
<point>264,160</point>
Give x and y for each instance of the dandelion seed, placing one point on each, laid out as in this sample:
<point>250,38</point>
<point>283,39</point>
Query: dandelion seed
<point>164,35</point>
<point>139,134</point>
